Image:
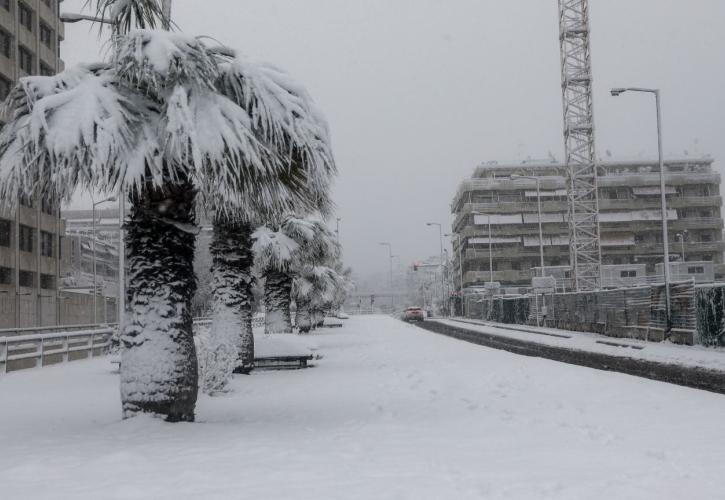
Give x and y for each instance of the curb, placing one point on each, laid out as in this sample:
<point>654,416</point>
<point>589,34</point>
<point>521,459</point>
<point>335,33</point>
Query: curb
<point>696,378</point>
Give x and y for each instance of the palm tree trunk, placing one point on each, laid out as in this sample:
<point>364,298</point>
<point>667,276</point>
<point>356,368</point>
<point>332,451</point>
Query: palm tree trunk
<point>232,282</point>
<point>303,318</point>
<point>159,365</point>
<point>277,299</point>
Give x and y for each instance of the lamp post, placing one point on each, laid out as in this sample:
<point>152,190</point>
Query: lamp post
<point>95,275</point>
<point>337,229</point>
<point>541,232</point>
<point>663,197</point>
<point>390,258</point>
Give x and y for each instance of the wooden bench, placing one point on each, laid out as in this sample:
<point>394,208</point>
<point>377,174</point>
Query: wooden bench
<point>294,362</point>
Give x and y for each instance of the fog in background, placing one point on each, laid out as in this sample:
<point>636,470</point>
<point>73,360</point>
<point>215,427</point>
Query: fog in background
<point>418,92</point>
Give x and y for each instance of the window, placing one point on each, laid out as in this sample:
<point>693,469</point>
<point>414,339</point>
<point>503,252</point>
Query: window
<point>46,35</point>
<point>25,60</point>
<point>629,273</point>
<point>696,270</point>
<point>46,70</point>
<point>27,238</point>
<point>5,86</point>
<point>6,43</point>
<point>6,276</point>
<point>706,237</point>
<point>25,16</point>
<point>5,4</point>
<point>46,244</point>
<point>26,279</point>
<point>47,281</point>
<point>5,231</point>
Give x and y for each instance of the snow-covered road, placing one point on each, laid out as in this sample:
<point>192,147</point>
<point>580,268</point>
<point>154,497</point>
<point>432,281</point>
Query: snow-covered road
<point>390,412</point>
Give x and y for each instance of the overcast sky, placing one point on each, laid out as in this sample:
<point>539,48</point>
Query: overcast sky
<point>418,92</point>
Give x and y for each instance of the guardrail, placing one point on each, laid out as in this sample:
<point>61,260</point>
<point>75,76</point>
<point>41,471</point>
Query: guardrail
<point>34,351</point>
<point>35,347</point>
<point>43,330</point>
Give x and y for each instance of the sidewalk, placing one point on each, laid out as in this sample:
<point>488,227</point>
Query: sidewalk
<point>692,366</point>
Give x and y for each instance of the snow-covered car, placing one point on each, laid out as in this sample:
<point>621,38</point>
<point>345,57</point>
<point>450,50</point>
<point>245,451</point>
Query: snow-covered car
<point>342,315</point>
<point>414,314</point>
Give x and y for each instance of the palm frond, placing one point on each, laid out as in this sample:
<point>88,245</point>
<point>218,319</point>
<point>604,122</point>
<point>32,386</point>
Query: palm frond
<point>130,14</point>
<point>284,116</point>
<point>273,248</point>
<point>156,62</point>
<point>74,129</point>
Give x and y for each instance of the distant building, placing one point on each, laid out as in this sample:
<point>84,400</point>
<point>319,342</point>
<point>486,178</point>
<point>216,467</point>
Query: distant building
<point>630,220</point>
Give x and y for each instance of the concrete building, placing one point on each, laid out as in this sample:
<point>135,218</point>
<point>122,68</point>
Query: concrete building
<point>30,36</point>
<point>630,220</point>
<point>31,262</point>
<point>31,243</point>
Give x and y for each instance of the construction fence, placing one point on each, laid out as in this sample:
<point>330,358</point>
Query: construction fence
<point>637,312</point>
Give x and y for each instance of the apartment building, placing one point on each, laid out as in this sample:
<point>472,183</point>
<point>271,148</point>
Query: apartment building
<point>30,37</point>
<point>630,219</point>
<point>31,242</point>
<point>31,263</point>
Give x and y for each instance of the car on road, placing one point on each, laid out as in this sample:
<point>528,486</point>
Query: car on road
<point>414,314</point>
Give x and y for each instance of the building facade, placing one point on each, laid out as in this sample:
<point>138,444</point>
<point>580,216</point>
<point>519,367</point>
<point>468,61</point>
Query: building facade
<point>630,220</point>
<point>31,237</point>
<point>30,37</point>
<point>31,263</point>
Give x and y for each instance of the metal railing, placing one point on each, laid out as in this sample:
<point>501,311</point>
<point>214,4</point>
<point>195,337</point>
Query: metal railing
<point>33,351</point>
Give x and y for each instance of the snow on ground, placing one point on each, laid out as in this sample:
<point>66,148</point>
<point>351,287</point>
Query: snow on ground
<point>662,352</point>
<point>390,412</point>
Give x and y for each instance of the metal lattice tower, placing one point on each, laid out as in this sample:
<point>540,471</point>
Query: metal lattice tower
<point>576,76</point>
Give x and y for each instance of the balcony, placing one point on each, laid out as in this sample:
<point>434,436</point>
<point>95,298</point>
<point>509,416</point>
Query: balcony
<point>508,277</point>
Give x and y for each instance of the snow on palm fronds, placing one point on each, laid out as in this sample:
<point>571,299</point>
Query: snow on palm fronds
<point>74,128</point>
<point>155,112</point>
<point>274,248</point>
<point>128,13</point>
<point>286,119</point>
<point>316,284</point>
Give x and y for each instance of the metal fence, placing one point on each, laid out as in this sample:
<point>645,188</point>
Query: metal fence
<point>20,351</point>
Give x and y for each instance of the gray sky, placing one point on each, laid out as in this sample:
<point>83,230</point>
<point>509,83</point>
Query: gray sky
<point>418,92</point>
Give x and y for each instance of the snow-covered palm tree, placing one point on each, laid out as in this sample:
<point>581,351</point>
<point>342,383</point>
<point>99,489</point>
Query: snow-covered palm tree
<point>156,121</point>
<point>285,118</point>
<point>283,251</point>
<point>315,280</point>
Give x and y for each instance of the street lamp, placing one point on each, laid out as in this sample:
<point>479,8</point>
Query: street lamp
<point>95,276</point>
<point>538,199</point>
<point>337,229</point>
<point>663,197</point>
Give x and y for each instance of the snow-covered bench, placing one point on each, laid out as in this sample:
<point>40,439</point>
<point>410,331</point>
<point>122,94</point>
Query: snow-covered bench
<point>288,362</point>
